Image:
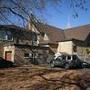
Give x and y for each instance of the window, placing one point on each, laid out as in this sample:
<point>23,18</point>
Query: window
<point>27,55</point>
<point>9,35</point>
<point>75,48</point>
<point>6,35</point>
<point>2,35</point>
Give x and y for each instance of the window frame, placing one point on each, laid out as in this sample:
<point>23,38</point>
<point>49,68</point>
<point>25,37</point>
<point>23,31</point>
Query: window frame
<point>5,35</point>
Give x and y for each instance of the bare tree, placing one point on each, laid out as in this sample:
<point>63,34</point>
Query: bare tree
<point>23,8</point>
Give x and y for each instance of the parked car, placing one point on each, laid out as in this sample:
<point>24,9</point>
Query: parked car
<point>68,62</point>
<point>5,64</point>
<point>58,62</point>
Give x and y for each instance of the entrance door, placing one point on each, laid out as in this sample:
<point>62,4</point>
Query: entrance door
<point>8,55</point>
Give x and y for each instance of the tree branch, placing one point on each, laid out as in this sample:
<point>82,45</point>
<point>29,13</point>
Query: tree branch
<point>11,10</point>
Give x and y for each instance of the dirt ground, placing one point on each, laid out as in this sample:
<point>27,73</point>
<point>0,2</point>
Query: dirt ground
<point>41,78</point>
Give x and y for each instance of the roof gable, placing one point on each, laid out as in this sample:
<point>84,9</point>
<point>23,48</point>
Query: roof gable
<point>54,34</point>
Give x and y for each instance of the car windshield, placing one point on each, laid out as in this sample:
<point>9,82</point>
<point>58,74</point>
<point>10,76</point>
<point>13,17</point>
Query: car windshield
<point>69,57</point>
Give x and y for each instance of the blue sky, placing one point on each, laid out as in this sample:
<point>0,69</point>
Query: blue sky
<point>63,15</point>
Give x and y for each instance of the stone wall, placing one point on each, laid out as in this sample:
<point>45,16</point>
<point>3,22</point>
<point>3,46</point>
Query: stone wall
<point>37,55</point>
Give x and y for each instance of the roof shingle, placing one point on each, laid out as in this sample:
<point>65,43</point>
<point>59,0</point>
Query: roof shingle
<point>79,33</point>
<point>54,34</point>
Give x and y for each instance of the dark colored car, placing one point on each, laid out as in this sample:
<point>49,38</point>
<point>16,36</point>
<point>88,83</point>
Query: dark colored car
<point>69,62</point>
<point>58,62</point>
<point>5,64</point>
<point>73,61</point>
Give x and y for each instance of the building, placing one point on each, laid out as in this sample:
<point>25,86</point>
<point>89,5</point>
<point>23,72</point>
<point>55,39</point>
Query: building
<point>18,44</point>
<point>40,41</point>
<point>48,35</point>
<point>72,40</point>
<point>80,37</point>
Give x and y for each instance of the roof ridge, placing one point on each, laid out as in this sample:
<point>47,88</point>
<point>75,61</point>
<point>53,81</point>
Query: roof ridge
<point>54,27</point>
<point>76,27</point>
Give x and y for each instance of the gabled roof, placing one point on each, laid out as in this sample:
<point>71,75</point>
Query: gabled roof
<point>54,34</point>
<point>79,33</point>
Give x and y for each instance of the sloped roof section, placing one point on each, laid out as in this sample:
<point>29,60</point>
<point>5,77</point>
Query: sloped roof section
<point>55,34</point>
<point>79,33</point>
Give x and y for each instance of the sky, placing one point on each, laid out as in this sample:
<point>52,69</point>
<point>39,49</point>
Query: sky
<point>62,17</point>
